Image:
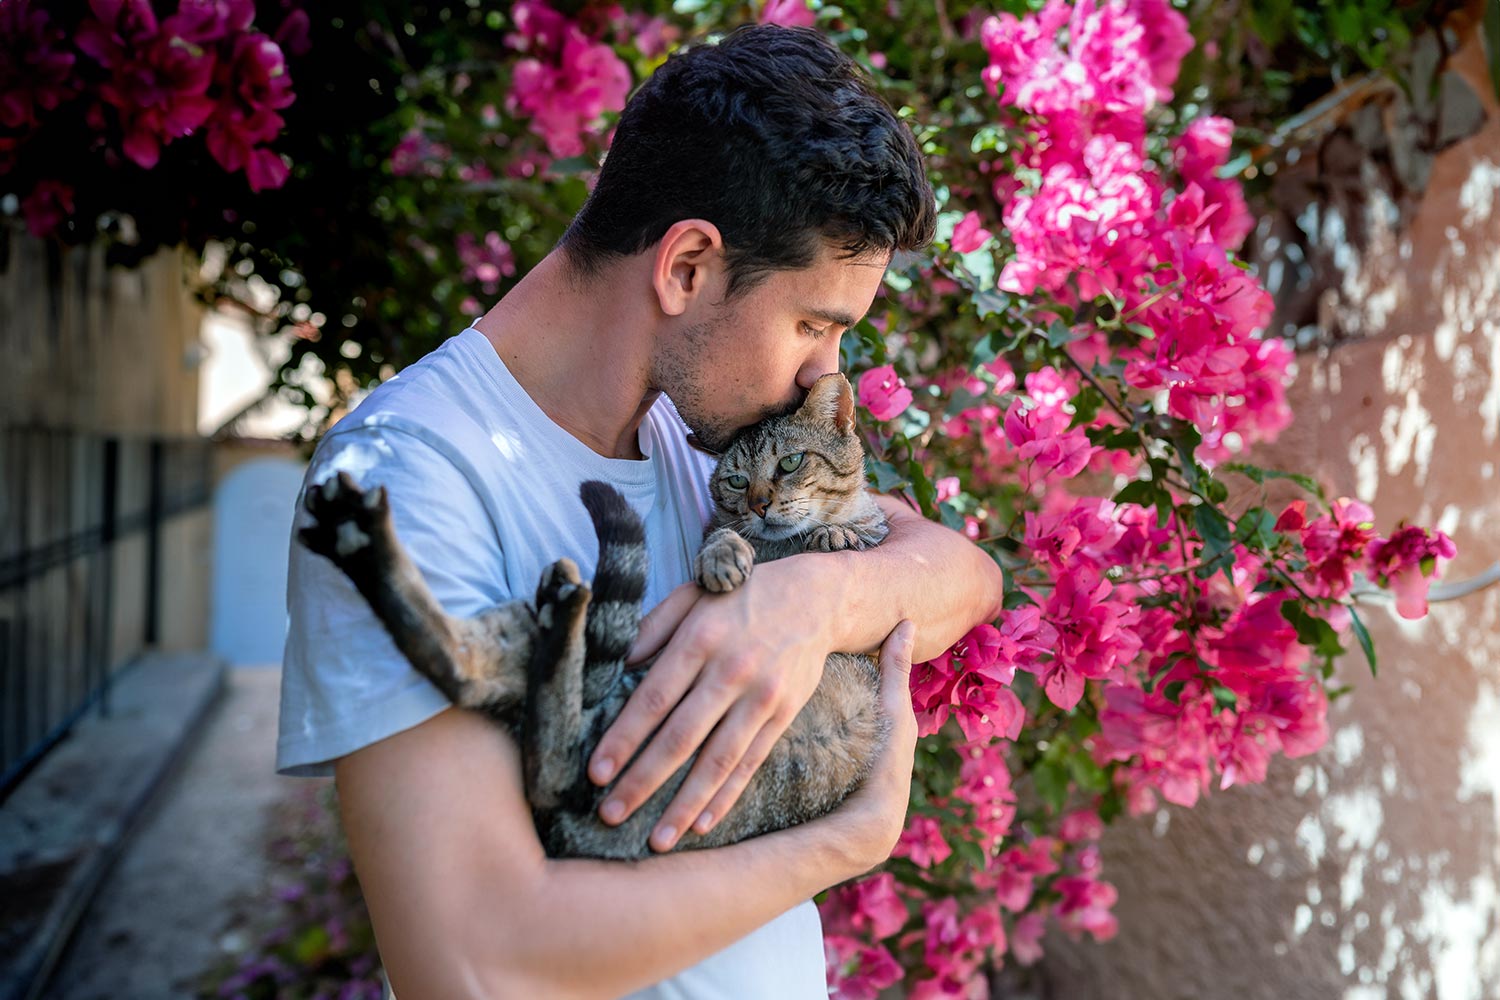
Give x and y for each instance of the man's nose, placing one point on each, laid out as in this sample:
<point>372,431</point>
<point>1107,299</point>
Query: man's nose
<point>824,362</point>
<point>758,503</point>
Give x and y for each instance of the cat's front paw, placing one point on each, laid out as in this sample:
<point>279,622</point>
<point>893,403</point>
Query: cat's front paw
<point>724,562</point>
<point>826,538</point>
<point>350,525</point>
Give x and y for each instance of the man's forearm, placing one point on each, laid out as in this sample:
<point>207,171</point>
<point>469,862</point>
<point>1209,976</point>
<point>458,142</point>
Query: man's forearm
<point>923,571</point>
<point>596,928</point>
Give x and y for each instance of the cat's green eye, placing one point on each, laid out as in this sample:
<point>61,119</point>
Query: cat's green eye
<point>791,462</point>
<point>737,481</point>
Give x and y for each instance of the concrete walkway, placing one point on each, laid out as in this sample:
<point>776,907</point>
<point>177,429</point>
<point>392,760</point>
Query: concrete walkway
<point>166,913</point>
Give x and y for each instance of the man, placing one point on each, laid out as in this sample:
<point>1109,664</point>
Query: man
<point>752,197</point>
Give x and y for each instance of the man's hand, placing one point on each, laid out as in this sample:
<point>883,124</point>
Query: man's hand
<point>876,813</point>
<point>738,667</point>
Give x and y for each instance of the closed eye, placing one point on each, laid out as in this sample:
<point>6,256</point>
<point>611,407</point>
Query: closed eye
<point>813,331</point>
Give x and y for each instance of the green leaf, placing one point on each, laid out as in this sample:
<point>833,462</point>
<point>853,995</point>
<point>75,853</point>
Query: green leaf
<point>989,303</point>
<point>1256,529</point>
<point>573,165</point>
<point>1087,775</point>
<point>1213,528</point>
<point>925,491</point>
<point>969,853</point>
<point>1313,632</point>
<point>884,475</point>
<point>1173,691</point>
<point>1223,697</point>
<point>1259,476</point>
<point>1086,406</point>
<point>1051,783</point>
<point>311,945</point>
<point>1142,492</point>
<point>1363,635</point>
<point>1060,333</point>
<point>950,517</point>
<point>1017,599</point>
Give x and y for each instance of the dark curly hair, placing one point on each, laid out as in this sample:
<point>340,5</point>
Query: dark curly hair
<point>774,136</point>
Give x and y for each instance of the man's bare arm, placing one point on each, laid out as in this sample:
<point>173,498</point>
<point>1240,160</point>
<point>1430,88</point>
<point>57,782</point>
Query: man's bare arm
<point>741,665</point>
<point>465,903</point>
<point>923,572</point>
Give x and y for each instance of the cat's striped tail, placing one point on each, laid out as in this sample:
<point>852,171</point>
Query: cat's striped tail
<point>614,618</point>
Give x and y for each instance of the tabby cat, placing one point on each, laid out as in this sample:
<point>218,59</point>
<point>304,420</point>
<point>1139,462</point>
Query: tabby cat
<point>554,673</point>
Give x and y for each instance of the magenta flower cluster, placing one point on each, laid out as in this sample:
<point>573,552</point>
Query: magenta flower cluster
<point>567,79</point>
<point>1188,638</point>
<point>144,83</point>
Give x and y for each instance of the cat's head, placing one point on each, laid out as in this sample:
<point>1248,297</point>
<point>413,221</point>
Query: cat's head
<point>788,474</point>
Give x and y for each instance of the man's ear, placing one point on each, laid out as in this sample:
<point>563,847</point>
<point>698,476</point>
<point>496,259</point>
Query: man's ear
<point>688,258</point>
<point>831,400</point>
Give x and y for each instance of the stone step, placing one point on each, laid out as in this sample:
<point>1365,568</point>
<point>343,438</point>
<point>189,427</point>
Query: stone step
<point>64,826</point>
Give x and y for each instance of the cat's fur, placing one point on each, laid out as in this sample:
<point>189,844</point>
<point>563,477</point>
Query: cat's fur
<point>553,671</point>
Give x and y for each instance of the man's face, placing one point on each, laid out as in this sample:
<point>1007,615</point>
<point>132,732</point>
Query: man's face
<point>757,356</point>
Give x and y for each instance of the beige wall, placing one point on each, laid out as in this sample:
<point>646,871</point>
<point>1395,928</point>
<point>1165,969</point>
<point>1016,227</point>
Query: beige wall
<point>97,348</point>
<point>1371,869</point>
<point>102,351</point>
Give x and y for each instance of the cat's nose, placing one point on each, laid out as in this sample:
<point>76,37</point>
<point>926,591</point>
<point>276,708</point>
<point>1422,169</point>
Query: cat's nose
<point>759,505</point>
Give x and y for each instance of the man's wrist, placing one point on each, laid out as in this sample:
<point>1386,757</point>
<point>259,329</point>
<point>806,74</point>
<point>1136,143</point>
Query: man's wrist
<point>831,577</point>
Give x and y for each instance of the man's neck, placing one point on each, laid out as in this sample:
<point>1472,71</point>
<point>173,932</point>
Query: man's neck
<point>583,357</point>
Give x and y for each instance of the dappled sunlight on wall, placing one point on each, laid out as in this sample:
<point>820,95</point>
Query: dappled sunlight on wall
<point>1374,866</point>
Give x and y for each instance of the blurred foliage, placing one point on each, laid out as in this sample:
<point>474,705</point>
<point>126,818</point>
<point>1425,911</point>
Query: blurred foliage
<point>362,263</point>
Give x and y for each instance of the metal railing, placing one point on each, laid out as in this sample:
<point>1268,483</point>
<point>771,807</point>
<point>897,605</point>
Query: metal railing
<point>81,523</point>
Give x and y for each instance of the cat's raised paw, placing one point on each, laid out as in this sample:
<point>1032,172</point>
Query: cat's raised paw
<point>724,562</point>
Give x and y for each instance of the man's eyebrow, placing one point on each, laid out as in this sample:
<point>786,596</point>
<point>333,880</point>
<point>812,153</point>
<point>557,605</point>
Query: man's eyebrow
<point>832,316</point>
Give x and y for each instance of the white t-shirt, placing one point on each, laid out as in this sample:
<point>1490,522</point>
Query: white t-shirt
<point>483,490</point>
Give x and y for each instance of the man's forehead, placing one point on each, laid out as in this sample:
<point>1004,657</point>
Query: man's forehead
<point>839,289</point>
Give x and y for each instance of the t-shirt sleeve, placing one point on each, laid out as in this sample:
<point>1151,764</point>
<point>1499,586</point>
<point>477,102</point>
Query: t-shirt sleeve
<point>344,684</point>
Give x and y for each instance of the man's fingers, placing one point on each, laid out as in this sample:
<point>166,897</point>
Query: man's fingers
<point>895,674</point>
<point>662,621</point>
<point>723,757</point>
<point>725,798</point>
<point>684,732</point>
<point>660,690</point>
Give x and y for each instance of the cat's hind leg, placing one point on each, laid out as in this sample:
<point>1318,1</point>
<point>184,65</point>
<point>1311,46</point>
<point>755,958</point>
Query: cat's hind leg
<point>477,662</point>
<point>554,730</point>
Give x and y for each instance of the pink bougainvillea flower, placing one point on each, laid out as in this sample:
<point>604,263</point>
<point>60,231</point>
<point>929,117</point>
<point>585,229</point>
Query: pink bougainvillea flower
<point>922,841</point>
<point>47,206</point>
<point>565,94</point>
<point>1045,439</point>
<point>788,14</point>
<point>36,68</point>
<point>1026,938</point>
<point>1335,545</point>
<point>857,971</point>
<point>884,393</point>
<point>1085,907</point>
<point>969,235</point>
<point>485,261</point>
<point>1408,562</point>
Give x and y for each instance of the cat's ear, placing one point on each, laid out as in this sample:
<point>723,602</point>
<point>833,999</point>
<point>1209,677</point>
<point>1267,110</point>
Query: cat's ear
<point>831,401</point>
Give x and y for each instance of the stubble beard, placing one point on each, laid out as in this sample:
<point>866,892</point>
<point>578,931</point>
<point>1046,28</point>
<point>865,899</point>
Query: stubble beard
<point>681,374</point>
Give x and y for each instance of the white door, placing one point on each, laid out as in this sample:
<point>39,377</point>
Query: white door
<point>252,528</point>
